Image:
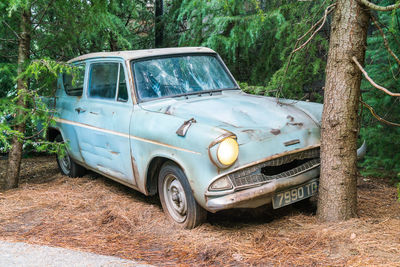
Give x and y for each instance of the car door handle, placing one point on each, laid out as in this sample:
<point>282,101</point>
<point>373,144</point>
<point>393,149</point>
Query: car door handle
<point>80,110</point>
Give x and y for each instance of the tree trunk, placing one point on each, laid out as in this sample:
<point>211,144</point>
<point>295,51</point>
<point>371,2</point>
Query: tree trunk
<point>14,156</point>
<point>113,42</point>
<point>159,26</point>
<point>340,125</point>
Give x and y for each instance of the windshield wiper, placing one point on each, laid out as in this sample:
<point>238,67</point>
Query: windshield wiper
<point>210,92</point>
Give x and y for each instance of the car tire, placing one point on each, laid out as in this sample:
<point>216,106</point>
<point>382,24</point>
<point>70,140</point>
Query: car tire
<point>177,199</point>
<point>66,165</point>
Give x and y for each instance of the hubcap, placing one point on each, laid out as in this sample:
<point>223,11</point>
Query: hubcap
<point>65,163</point>
<point>175,198</point>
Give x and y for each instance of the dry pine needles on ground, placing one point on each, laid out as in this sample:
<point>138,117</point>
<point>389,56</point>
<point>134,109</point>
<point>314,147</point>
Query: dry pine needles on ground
<point>97,215</point>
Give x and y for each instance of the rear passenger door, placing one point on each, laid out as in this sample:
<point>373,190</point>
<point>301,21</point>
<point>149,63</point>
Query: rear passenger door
<point>69,92</point>
<point>104,113</point>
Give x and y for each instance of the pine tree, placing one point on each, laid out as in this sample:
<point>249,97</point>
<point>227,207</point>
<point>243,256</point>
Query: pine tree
<point>382,139</point>
<point>255,39</point>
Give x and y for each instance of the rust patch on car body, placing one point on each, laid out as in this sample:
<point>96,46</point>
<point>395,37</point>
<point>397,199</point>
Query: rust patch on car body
<point>290,118</point>
<point>275,131</point>
<point>300,124</point>
<point>135,170</point>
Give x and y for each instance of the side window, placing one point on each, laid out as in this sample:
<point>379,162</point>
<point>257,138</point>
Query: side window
<point>122,90</point>
<point>73,83</point>
<point>103,80</point>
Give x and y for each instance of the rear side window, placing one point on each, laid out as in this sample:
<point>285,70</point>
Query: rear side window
<point>73,82</point>
<point>103,80</point>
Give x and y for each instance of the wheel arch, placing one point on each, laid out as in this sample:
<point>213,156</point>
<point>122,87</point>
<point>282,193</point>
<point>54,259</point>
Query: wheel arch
<point>153,170</point>
<point>52,134</point>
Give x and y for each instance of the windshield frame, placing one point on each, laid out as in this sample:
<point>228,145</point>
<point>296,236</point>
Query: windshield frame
<point>139,100</point>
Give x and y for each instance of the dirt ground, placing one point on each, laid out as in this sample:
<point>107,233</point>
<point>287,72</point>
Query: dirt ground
<point>97,215</point>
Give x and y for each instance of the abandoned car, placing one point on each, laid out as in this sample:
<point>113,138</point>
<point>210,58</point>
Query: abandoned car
<point>174,121</point>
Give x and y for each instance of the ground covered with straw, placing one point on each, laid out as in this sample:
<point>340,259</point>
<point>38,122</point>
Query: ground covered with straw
<point>97,215</point>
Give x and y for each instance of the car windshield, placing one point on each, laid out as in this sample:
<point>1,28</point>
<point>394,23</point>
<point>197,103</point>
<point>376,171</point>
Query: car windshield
<point>180,75</point>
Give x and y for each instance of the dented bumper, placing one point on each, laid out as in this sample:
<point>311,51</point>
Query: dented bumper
<point>260,195</point>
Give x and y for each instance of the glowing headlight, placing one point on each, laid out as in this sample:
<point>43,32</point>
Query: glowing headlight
<point>228,151</point>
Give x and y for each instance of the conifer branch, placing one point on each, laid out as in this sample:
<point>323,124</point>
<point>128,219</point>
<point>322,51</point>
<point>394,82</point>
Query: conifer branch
<point>379,8</point>
<point>9,40</point>
<point>322,21</point>
<point>377,116</point>
<point>385,41</point>
<point>374,84</point>
<point>15,33</point>
<point>297,48</point>
<point>43,14</point>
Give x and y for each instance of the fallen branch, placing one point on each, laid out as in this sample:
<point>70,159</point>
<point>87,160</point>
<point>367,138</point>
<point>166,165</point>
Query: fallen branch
<point>385,41</point>
<point>377,86</point>
<point>379,8</point>
<point>378,117</point>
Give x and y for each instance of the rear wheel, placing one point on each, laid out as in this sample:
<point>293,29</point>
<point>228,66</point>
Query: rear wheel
<point>177,199</point>
<point>67,165</point>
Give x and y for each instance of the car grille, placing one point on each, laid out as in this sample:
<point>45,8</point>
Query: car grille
<point>282,167</point>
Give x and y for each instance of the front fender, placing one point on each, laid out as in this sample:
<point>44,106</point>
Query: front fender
<point>153,134</point>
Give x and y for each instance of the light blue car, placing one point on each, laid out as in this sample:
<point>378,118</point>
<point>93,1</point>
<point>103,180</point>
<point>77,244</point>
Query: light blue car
<point>174,122</point>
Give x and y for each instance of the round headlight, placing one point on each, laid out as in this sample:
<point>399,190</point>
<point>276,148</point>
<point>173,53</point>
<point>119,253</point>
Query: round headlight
<point>228,151</point>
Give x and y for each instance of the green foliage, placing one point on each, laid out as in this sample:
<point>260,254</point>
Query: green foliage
<point>65,29</point>
<point>36,114</point>
<point>60,31</point>
<point>382,140</point>
<point>8,71</point>
<point>256,89</point>
<point>255,39</point>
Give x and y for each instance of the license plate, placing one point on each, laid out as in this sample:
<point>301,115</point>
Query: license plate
<point>294,194</point>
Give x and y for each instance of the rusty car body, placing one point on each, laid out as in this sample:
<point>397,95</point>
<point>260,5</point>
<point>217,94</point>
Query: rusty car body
<point>174,121</point>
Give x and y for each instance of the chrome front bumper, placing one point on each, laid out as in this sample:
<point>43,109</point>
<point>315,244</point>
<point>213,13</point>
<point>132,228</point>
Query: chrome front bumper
<point>260,195</point>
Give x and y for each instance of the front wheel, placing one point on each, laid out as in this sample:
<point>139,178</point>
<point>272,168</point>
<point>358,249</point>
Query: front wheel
<point>66,165</point>
<point>177,199</point>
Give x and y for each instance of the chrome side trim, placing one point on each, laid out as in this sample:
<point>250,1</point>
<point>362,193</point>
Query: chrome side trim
<point>123,135</point>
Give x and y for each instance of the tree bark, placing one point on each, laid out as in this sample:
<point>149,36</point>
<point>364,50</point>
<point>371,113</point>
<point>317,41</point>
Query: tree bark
<point>113,42</point>
<point>340,121</point>
<point>159,26</point>
<point>11,179</point>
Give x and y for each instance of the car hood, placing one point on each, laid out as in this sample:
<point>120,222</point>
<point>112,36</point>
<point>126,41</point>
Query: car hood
<point>248,116</point>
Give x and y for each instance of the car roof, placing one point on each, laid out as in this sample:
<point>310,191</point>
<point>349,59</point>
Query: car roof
<point>136,54</point>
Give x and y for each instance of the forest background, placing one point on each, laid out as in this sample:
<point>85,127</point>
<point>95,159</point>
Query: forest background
<point>254,37</point>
